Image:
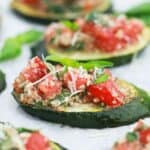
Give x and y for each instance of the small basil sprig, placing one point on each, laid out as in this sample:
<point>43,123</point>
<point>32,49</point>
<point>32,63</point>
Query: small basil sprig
<point>71,25</point>
<point>73,63</point>
<point>102,78</point>
<point>12,46</point>
<point>131,136</point>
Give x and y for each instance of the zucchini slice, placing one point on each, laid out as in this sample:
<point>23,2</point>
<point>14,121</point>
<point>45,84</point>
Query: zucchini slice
<point>121,57</point>
<point>2,81</point>
<point>136,137</point>
<point>14,138</point>
<point>138,107</point>
<point>33,14</point>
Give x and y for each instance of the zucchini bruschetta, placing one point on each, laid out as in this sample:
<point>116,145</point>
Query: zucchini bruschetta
<point>45,11</point>
<point>12,138</point>
<point>78,94</point>
<point>138,139</point>
<point>2,81</point>
<point>97,37</point>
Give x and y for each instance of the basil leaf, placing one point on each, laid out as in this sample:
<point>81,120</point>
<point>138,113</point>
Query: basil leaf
<point>12,46</point>
<point>29,36</point>
<point>131,136</point>
<point>62,60</point>
<point>98,64</point>
<point>102,78</point>
<point>71,25</point>
<point>143,8</point>
<point>11,49</point>
<point>73,63</point>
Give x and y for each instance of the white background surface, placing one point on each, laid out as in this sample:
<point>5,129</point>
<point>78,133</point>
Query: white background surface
<point>73,138</point>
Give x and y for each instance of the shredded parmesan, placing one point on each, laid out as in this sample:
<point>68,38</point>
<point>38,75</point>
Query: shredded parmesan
<point>46,76</point>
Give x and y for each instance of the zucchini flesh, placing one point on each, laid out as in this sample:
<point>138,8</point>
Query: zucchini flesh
<point>2,81</point>
<point>138,108</point>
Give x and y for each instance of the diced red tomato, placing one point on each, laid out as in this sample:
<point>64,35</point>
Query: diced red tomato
<point>144,136</point>
<point>106,92</point>
<point>129,146</point>
<point>35,70</point>
<point>110,39</point>
<point>79,81</point>
<point>50,87</point>
<point>31,2</point>
<point>37,141</point>
<point>80,22</point>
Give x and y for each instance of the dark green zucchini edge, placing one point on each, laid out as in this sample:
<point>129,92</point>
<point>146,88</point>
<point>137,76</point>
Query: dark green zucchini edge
<point>39,49</point>
<point>126,114</point>
<point>22,130</point>
<point>2,81</point>
<point>46,21</point>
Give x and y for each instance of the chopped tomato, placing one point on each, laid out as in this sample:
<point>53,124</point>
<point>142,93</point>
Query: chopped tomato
<point>129,146</point>
<point>77,81</point>
<point>144,136</point>
<point>112,38</point>
<point>37,141</point>
<point>80,22</point>
<point>31,2</point>
<point>106,92</point>
<point>50,87</point>
<point>59,32</point>
<point>35,70</point>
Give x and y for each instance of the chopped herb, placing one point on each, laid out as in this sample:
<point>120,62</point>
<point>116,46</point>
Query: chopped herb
<point>131,136</point>
<point>21,130</point>
<point>97,19</point>
<point>71,25</point>
<point>79,45</point>
<point>102,78</point>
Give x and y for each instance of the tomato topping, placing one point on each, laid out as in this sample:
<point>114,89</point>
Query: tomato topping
<point>50,87</point>
<point>34,70</point>
<point>144,136</point>
<point>112,38</point>
<point>76,80</point>
<point>106,92</point>
<point>37,141</point>
<point>60,33</point>
<point>31,2</point>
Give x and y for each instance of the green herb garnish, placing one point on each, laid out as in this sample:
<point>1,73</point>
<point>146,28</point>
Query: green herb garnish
<point>21,130</point>
<point>97,18</point>
<point>12,46</point>
<point>73,63</point>
<point>131,136</point>
<point>71,25</point>
<point>102,78</point>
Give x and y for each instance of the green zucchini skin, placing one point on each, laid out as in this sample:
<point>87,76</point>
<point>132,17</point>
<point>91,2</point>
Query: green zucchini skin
<point>126,114</point>
<point>2,81</point>
<point>39,49</point>
<point>46,21</point>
